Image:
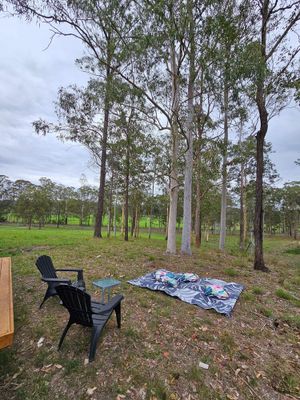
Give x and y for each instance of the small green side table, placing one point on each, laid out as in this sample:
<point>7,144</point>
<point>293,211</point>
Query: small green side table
<point>106,284</point>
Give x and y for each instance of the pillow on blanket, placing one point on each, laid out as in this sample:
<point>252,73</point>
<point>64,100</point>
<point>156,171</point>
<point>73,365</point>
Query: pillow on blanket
<point>172,279</point>
<point>216,291</point>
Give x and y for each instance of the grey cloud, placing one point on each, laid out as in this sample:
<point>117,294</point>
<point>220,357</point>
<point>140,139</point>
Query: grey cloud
<point>284,134</point>
<point>29,80</point>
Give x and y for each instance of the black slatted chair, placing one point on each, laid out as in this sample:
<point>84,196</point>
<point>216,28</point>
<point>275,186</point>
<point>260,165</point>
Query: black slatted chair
<point>46,268</point>
<point>84,311</point>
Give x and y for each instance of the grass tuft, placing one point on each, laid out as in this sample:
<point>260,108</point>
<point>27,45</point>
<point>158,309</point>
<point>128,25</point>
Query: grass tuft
<point>257,290</point>
<point>228,343</point>
<point>71,366</point>
<point>292,320</point>
<point>283,294</point>
<point>132,333</point>
<point>231,272</point>
<point>247,296</point>
<point>156,390</point>
<point>266,312</point>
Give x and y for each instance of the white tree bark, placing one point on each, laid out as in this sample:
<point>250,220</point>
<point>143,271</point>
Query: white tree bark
<point>173,189</point>
<point>187,201</point>
<point>188,178</point>
<point>224,174</point>
<point>243,206</point>
<point>188,173</point>
<point>151,205</point>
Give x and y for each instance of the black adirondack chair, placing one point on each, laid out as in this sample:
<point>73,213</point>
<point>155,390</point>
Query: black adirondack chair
<point>46,268</point>
<point>84,311</point>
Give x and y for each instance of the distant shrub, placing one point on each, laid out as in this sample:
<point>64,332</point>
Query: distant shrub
<point>296,251</point>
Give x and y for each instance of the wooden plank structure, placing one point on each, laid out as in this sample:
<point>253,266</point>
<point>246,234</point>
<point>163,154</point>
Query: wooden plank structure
<point>6,303</point>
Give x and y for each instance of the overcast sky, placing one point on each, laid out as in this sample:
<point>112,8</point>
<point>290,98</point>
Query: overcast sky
<point>29,79</point>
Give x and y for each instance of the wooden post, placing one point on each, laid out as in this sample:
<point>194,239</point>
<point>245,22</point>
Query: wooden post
<point>6,303</point>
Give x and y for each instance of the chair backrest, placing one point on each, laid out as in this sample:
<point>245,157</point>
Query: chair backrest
<point>46,267</point>
<point>77,302</point>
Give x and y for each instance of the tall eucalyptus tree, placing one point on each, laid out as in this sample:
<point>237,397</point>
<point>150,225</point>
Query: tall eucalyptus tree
<point>229,31</point>
<point>93,23</point>
<point>272,57</point>
<point>188,173</point>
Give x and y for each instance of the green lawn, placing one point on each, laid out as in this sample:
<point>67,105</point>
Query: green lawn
<point>156,354</point>
<point>74,220</point>
<point>15,238</point>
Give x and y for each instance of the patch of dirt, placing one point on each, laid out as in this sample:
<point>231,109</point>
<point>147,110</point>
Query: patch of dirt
<point>35,248</point>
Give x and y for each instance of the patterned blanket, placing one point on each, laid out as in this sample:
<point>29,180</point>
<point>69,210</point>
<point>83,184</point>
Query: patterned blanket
<point>195,292</point>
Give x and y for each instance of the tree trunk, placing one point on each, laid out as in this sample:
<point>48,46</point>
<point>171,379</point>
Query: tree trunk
<point>100,207</point>
<point>187,202</point>
<point>245,224</point>
<point>133,221</point>
<point>206,236</point>
<point>126,189</point>
<point>58,217</point>
<point>171,237</point>
<point>122,220</point>
<point>66,212</point>
<point>136,227</point>
<point>224,173</point>
<point>81,215</point>
<point>110,214</point>
<point>200,127</point>
<point>151,205</point>
<point>108,223</point>
<point>126,214</point>
<point>242,209</point>
<point>259,263</point>
<point>167,222</point>
<point>188,173</point>
<point>197,226</point>
<point>115,216</point>
<point>296,224</point>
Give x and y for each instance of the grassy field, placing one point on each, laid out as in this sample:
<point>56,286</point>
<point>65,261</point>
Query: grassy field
<point>252,355</point>
<point>74,220</point>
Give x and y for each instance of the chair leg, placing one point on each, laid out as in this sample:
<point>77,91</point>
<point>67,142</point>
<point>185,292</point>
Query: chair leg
<point>118,314</point>
<point>64,333</point>
<point>94,340</point>
<point>47,295</point>
<point>80,278</point>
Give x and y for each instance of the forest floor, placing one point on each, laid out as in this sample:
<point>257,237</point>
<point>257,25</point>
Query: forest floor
<point>155,355</point>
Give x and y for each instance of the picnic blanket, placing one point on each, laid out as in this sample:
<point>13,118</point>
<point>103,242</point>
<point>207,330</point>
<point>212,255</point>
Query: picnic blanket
<point>203,292</point>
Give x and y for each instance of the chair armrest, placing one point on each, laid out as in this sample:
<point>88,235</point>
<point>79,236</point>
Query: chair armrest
<point>110,305</point>
<point>78,270</point>
<point>57,280</point>
<point>68,269</point>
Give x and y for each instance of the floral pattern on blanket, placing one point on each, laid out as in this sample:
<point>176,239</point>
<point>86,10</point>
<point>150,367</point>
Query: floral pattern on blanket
<point>194,292</point>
